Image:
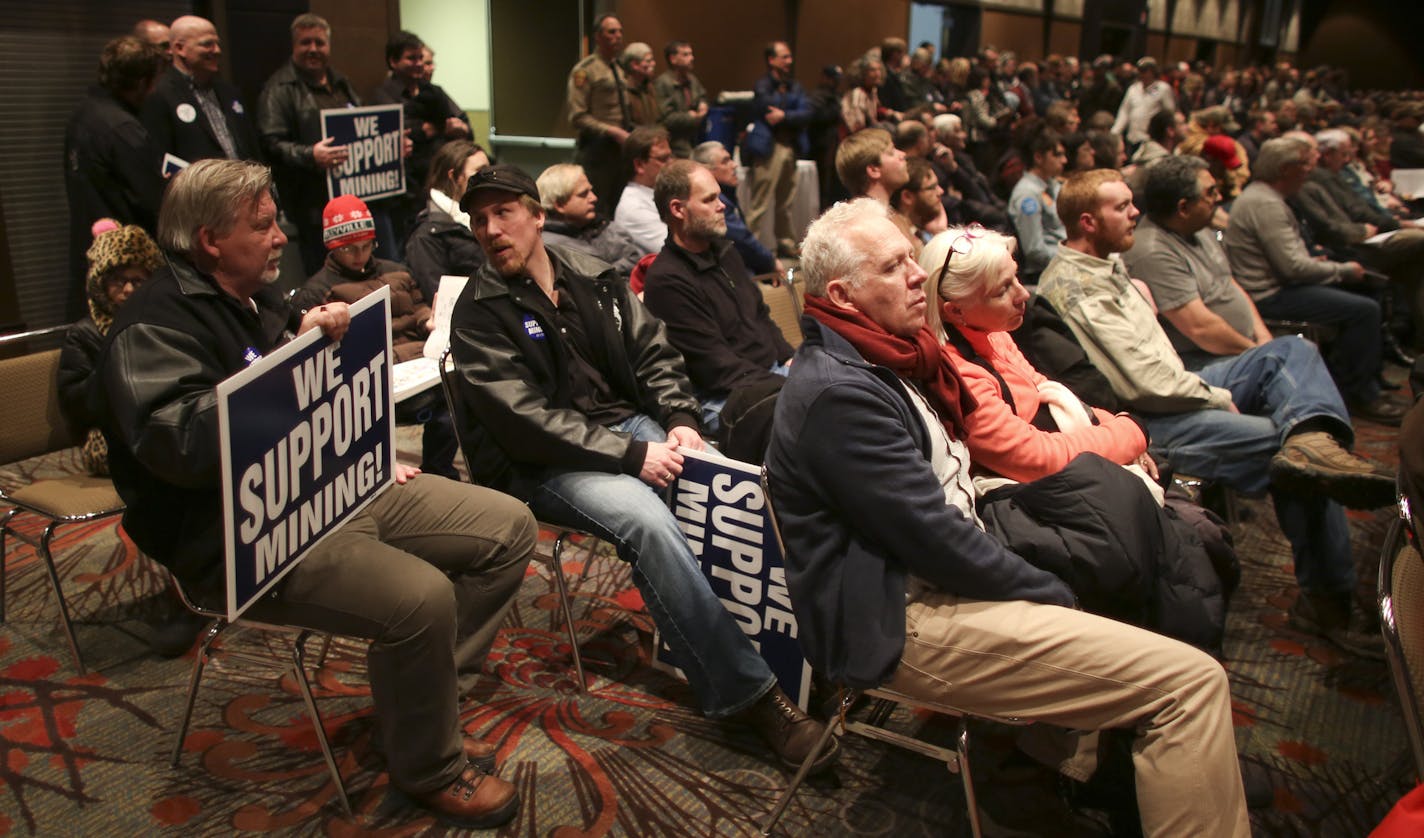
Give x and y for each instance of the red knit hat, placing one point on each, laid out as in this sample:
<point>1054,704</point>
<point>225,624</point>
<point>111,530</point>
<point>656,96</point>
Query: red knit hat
<point>346,220</point>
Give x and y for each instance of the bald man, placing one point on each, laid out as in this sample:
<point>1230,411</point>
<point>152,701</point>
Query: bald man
<point>193,114</point>
<point>153,32</point>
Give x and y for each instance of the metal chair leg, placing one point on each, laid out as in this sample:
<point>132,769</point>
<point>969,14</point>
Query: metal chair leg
<point>325,647</point>
<point>563,589</point>
<point>847,699</point>
<point>64,620</point>
<point>299,665</point>
<point>199,662</point>
<point>971,803</point>
<point>4,531</point>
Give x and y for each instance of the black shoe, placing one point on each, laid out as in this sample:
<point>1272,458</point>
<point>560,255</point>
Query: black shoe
<point>174,637</point>
<point>1381,411</point>
<point>1328,615</point>
<point>789,731</point>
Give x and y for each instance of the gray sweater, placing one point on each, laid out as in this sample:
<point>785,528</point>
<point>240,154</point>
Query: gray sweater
<point>1266,251</point>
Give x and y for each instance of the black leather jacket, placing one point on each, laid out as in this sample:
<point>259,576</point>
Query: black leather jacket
<point>289,123</point>
<point>170,345</point>
<point>513,374</point>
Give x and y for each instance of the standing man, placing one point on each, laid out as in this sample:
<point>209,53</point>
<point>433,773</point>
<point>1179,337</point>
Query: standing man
<point>110,167</point>
<point>736,355</point>
<point>1268,418</point>
<point>598,111</point>
<point>777,138</point>
<point>431,119</point>
<point>682,98</point>
<point>153,32</point>
<point>289,121</point>
<point>426,571</point>
<point>192,113</point>
<point>582,407</point>
<point>1145,98</point>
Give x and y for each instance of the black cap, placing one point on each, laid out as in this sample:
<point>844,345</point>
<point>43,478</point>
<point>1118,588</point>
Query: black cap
<point>502,177</point>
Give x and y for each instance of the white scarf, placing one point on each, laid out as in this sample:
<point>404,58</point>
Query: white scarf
<point>449,206</point>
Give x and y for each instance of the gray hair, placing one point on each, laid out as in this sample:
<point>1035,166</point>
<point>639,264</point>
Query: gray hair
<point>706,153</point>
<point>209,194</point>
<point>556,184</point>
<point>946,124</point>
<point>1170,181</point>
<point>1331,139</point>
<point>635,51</point>
<point>1276,154</point>
<point>826,252</point>
<point>310,21</point>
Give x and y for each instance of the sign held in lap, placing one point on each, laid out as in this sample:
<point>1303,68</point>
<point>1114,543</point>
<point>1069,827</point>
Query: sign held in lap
<point>307,441</point>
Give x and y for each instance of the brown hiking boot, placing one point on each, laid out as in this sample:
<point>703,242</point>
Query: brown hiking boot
<point>480,754</point>
<point>1314,462</point>
<point>789,731</point>
<point>474,800</point>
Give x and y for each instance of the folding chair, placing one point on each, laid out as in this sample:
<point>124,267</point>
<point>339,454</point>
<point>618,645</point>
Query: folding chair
<point>955,759</point>
<point>220,624</point>
<point>31,425</point>
<point>785,305</point>
<point>1401,607</point>
<point>459,412</point>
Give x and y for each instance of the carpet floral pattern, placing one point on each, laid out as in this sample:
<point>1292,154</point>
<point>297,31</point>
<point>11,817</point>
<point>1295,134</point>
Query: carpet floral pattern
<point>85,754</point>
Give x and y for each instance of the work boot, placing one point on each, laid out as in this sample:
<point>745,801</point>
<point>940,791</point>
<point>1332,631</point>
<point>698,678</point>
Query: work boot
<point>1328,615</point>
<point>790,732</point>
<point>480,754</point>
<point>474,800</point>
<point>1314,461</point>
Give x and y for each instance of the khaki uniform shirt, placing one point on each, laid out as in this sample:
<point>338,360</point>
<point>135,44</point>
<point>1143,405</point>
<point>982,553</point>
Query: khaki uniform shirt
<point>596,98</point>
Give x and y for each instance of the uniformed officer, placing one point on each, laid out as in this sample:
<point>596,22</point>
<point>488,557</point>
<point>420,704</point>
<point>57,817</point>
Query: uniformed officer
<point>598,110</point>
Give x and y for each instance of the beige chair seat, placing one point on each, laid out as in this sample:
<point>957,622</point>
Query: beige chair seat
<point>72,496</point>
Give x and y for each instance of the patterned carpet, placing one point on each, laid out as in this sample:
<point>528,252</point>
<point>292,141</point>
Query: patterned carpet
<point>89,754</point>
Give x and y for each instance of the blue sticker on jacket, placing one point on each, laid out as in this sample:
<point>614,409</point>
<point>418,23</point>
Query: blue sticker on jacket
<point>1029,205</point>
<point>250,355</point>
<point>532,328</point>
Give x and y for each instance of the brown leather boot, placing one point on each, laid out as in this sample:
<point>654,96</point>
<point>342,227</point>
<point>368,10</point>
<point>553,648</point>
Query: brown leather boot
<point>789,731</point>
<point>474,800</point>
<point>480,754</point>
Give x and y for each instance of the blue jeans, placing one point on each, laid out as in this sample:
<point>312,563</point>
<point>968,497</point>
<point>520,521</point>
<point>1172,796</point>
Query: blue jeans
<point>1355,354</point>
<point>1275,387</point>
<point>712,405</point>
<point>726,672</point>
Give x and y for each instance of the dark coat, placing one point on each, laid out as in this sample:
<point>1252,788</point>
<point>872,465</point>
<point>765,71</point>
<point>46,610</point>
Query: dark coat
<point>193,139</point>
<point>860,510</point>
<point>289,124</point>
<point>409,309</point>
<point>441,246</point>
<point>513,371</point>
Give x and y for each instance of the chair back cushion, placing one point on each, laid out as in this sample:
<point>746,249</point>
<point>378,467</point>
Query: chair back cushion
<point>30,422</point>
<point>781,299</point>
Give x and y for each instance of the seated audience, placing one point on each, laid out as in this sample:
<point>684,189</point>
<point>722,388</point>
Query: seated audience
<point>120,260</point>
<point>440,242</point>
<point>976,200</point>
<point>645,152</point>
<point>758,259</point>
<point>426,571</point>
<point>715,316</point>
<point>581,406</point>
<point>572,219</point>
<point>1269,418</point>
<point>1268,257</point>
<point>1033,204</point>
<point>870,166</point>
<point>893,581</point>
<point>352,271</point>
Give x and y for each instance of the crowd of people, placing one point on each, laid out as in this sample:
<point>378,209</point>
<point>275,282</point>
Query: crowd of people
<point>1038,290</point>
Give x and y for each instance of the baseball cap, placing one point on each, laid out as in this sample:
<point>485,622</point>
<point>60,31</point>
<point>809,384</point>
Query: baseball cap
<point>500,177</point>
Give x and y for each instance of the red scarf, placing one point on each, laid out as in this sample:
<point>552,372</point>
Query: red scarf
<point>919,360</point>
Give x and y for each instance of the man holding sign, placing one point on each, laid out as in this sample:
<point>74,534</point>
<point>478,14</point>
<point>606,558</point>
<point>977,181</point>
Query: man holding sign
<point>426,569</point>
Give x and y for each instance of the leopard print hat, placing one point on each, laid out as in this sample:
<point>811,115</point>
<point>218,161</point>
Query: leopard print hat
<point>113,250</point>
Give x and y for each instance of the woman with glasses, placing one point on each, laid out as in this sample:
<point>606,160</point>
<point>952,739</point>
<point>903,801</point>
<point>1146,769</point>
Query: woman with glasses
<point>1026,426</point>
<point>120,260</point>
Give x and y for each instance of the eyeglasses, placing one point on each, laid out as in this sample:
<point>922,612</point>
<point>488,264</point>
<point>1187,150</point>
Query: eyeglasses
<point>961,244</point>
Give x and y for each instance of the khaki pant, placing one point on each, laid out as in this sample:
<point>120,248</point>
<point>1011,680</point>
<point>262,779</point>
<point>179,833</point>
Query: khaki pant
<point>1080,671</point>
<point>427,572</point>
<point>773,180</point>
